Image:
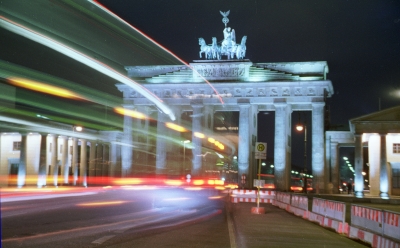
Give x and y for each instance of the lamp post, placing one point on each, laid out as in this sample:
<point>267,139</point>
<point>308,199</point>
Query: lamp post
<point>300,128</point>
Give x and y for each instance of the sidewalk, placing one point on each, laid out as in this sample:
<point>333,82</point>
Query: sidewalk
<point>278,228</point>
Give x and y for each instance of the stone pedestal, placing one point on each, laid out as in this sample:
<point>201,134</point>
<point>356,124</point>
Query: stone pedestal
<point>258,210</point>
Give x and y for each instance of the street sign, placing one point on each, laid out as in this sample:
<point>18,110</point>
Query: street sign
<point>259,183</point>
<point>261,150</point>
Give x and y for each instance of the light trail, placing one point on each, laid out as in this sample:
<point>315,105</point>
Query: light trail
<point>95,2</point>
<point>44,88</point>
<point>97,204</point>
<point>84,59</point>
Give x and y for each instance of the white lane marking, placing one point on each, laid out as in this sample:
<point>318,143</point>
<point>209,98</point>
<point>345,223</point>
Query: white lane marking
<point>103,239</point>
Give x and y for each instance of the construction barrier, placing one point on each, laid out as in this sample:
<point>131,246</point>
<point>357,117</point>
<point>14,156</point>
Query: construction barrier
<point>243,195</point>
<point>367,218</point>
<point>282,200</point>
<point>330,214</point>
<point>283,197</point>
<point>375,240</point>
<point>299,206</point>
<point>380,222</point>
<point>299,202</point>
<point>391,226</point>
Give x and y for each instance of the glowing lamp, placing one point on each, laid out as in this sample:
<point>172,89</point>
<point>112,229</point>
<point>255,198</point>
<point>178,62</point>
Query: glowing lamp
<point>299,128</point>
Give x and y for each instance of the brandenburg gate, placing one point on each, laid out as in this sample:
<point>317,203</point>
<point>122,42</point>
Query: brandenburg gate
<point>225,81</point>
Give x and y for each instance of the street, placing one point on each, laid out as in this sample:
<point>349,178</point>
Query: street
<point>118,217</point>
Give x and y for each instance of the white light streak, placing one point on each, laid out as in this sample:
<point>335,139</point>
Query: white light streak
<point>84,59</point>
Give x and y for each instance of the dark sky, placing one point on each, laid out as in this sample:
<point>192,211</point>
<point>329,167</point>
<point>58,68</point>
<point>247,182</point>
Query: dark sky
<point>360,39</point>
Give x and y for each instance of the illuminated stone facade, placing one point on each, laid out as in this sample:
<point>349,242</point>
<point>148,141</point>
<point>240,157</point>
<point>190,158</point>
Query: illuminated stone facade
<point>380,132</point>
<point>246,87</point>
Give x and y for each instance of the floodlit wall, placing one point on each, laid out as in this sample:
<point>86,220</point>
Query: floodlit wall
<point>6,153</point>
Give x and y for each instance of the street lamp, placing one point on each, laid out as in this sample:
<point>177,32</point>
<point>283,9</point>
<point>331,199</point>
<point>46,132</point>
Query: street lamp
<point>300,127</point>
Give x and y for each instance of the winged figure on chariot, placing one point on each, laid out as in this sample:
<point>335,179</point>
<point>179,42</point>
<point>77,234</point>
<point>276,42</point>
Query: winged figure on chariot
<point>228,47</point>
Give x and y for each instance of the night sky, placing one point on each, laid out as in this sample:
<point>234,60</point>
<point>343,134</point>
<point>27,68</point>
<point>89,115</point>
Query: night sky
<point>360,40</point>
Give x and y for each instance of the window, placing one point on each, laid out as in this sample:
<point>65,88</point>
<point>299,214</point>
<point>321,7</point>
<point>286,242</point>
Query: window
<point>61,148</point>
<point>17,146</point>
<point>396,148</point>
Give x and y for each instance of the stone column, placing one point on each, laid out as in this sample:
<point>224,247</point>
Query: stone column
<point>22,161</point>
<point>317,148</point>
<point>281,153</point>
<point>196,142</point>
<point>54,166</point>
<point>209,117</point>
<point>334,170</point>
<point>160,145</point>
<point>127,141</point>
<point>115,155</point>
<point>358,166</point>
<point>42,162</point>
<point>74,160</point>
<point>384,179</point>
<point>83,163</point>
<point>63,143</point>
<point>92,160</point>
<point>374,156</point>
<point>106,160</point>
<point>99,159</point>
<point>244,143</point>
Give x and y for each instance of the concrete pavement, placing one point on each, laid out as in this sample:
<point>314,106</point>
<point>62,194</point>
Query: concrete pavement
<point>278,228</point>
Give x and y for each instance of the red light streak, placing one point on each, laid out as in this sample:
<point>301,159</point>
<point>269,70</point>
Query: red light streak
<point>159,45</point>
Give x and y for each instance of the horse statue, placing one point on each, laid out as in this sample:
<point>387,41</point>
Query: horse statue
<point>215,49</point>
<point>241,49</point>
<point>204,48</point>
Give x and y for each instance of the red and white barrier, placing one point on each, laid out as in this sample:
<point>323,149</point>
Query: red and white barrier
<point>329,214</point>
<point>367,218</point>
<point>391,225</point>
<point>299,202</point>
<point>283,197</point>
<point>375,240</point>
<point>316,218</point>
<point>243,195</point>
<point>298,211</point>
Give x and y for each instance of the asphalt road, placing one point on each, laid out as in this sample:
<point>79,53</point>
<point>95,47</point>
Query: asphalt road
<point>166,217</point>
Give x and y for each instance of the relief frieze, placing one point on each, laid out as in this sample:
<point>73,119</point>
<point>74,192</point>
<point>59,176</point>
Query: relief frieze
<point>221,71</point>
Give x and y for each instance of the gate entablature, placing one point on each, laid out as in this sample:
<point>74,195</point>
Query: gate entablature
<point>229,70</point>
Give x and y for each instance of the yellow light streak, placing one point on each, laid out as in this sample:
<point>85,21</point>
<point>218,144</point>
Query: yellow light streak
<point>131,113</point>
<point>128,181</point>
<point>214,197</point>
<point>199,135</point>
<point>175,127</point>
<point>44,88</point>
<point>95,204</point>
<point>198,182</point>
<point>173,182</point>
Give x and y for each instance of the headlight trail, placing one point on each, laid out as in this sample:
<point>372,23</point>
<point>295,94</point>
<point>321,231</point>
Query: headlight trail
<point>94,64</point>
